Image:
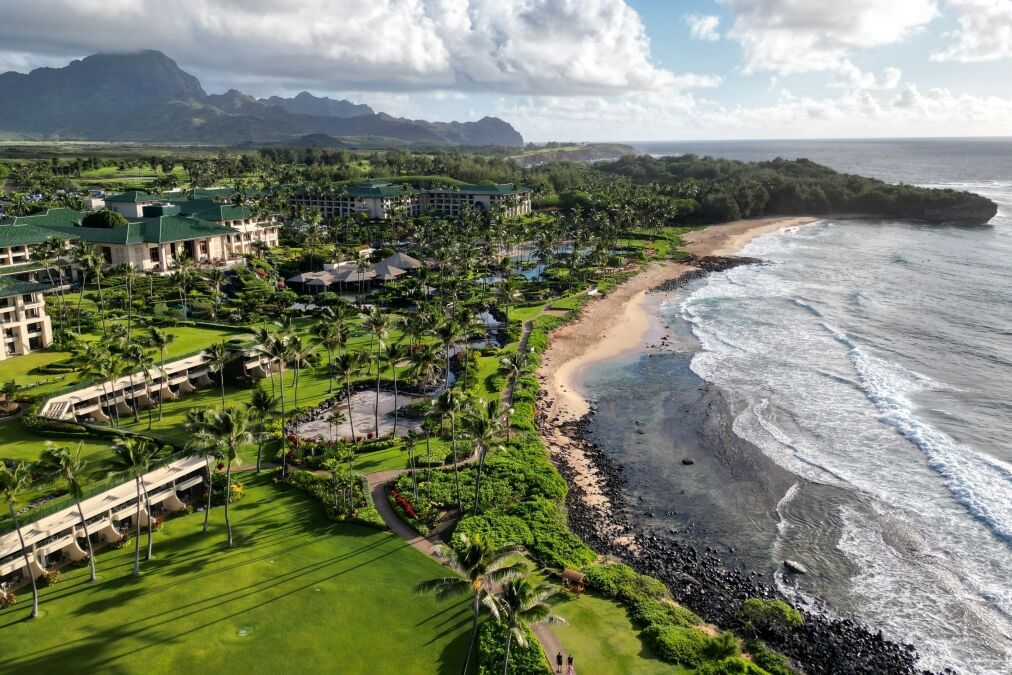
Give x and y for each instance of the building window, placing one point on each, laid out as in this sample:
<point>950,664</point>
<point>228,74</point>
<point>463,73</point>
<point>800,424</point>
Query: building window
<point>153,254</point>
<point>107,254</point>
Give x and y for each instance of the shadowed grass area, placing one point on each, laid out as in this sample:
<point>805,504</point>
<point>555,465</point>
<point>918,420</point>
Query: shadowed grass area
<point>599,633</point>
<point>298,593</point>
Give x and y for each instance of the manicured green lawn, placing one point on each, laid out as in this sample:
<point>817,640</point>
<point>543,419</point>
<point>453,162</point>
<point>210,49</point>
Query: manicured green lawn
<point>298,594</point>
<point>19,444</point>
<point>602,639</point>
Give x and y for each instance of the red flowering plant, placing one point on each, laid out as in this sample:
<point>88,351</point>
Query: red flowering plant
<point>404,503</point>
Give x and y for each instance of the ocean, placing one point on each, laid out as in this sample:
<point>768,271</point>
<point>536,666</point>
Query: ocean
<point>846,405</point>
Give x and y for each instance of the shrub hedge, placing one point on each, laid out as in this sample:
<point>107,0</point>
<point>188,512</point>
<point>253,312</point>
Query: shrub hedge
<point>524,660</point>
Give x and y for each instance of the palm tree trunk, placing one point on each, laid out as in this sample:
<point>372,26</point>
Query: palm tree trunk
<point>147,506</point>
<point>376,407</point>
<point>260,446</point>
<point>477,482</point>
<point>428,465</point>
<point>210,488</point>
<point>137,530</point>
<point>80,298</point>
<point>394,367</point>
<point>284,439</point>
<point>330,371</point>
<point>101,302</point>
<point>506,659</point>
<point>228,493</point>
<point>87,538</point>
<point>28,564</point>
<point>165,384</point>
<point>453,446</point>
<point>221,377</point>
<point>474,636</point>
<point>351,422</point>
<point>133,399</point>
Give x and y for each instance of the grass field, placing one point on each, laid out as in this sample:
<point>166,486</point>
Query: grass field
<point>298,593</point>
<point>598,632</point>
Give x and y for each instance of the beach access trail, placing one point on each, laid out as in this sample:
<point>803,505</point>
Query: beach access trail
<point>610,326</point>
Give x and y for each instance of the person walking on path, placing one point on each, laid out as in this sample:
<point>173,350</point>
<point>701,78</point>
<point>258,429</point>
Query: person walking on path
<point>558,662</point>
<point>569,664</point>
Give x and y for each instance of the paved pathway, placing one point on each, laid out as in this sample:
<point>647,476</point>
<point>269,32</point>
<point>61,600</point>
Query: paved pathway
<point>377,486</point>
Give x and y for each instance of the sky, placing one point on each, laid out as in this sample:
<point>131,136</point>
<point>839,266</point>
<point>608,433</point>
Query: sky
<point>577,70</point>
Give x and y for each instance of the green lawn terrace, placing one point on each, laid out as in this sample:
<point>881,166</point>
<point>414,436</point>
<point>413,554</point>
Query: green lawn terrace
<point>298,593</point>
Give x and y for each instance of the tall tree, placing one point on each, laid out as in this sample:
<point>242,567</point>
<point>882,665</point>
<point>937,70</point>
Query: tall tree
<point>523,602</point>
<point>278,349</point>
<point>217,356</point>
<point>15,479</point>
<point>58,463</point>
<point>393,354</point>
<point>346,367</point>
<point>160,340</point>
<point>228,430</point>
<point>132,458</point>
<point>263,407</point>
<point>479,570</point>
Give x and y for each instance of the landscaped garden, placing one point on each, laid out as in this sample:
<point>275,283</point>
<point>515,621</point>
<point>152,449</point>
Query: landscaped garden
<point>298,593</point>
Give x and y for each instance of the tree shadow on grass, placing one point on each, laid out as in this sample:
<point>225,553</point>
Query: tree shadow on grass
<point>82,651</point>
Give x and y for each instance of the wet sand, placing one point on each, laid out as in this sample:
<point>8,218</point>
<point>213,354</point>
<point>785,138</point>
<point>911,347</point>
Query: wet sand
<point>609,327</point>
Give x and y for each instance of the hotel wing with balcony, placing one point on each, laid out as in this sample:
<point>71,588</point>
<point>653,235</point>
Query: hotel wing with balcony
<point>58,539</point>
<point>24,325</point>
<point>378,199</point>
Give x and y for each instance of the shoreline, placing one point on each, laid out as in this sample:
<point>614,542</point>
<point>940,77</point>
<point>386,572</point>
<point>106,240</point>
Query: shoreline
<point>616,324</point>
<point>597,509</point>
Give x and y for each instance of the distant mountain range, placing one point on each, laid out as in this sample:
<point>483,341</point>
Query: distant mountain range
<point>146,97</point>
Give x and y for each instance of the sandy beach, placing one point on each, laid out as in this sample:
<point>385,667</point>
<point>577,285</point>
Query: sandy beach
<point>613,325</point>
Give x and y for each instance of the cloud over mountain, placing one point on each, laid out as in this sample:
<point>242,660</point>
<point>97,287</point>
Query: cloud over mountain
<point>551,47</point>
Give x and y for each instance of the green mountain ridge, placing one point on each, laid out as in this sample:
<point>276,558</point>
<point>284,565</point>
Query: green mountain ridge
<point>146,97</point>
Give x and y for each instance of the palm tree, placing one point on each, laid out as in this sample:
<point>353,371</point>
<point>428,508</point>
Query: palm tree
<point>335,419</point>
<point>129,276</point>
<point>215,278</point>
<point>393,355</point>
<point>160,340</point>
<point>479,569</point>
<point>217,356</point>
<point>14,480</point>
<point>133,354</point>
<point>277,348</point>
<point>132,458</point>
<point>86,259</point>
<point>507,293</point>
<point>523,602</point>
<point>484,427</point>
<point>299,353</point>
<point>227,430</point>
<point>147,363</point>
<point>201,444</point>
<point>512,366</point>
<point>330,338</point>
<point>58,463</point>
<point>451,403</point>
<point>262,405</point>
<point>346,366</point>
<point>448,334</point>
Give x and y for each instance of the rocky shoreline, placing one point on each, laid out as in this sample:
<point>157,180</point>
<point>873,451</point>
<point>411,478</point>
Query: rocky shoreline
<point>700,579</point>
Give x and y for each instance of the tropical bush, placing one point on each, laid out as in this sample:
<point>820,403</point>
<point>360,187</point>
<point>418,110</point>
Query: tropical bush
<point>623,582</point>
<point>677,645</point>
<point>767,659</point>
<point>765,617</point>
<point>218,480</point>
<point>732,665</point>
<point>495,527</point>
<point>7,598</point>
<point>342,495</point>
<point>51,578</point>
<point>527,660</point>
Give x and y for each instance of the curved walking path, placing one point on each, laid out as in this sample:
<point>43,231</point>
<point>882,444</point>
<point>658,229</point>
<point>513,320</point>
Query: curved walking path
<point>377,488</point>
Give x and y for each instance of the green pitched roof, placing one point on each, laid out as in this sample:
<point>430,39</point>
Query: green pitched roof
<point>35,229</point>
<point>151,230</point>
<point>132,196</point>
<point>15,287</point>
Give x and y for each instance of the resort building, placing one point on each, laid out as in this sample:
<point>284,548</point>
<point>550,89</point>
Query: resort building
<point>379,199</point>
<point>23,321</point>
<point>118,398</point>
<point>57,539</point>
<point>156,235</point>
<point>344,275</point>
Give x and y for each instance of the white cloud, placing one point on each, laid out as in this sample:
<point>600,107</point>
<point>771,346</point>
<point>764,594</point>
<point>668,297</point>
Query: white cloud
<point>849,76</point>
<point>856,113</point>
<point>703,27</point>
<point>563,47</point>
<point>800,36</point>
<point>984,33</point>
